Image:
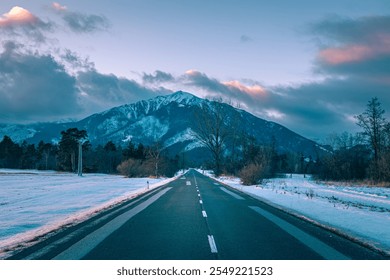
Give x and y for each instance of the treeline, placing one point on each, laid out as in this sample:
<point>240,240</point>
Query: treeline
<point>132,160</point>
<point>365,155</point>
<point>234,152</point>
<point>253,162</point>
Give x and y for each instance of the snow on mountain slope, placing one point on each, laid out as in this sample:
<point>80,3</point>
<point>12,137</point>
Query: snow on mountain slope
<point>18,132</point>
<point>166,119</point>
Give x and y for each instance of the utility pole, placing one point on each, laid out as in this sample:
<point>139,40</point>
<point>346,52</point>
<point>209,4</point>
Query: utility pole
<point>80,165</point>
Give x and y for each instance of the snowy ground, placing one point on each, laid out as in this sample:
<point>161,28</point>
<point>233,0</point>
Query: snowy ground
<point>33,203</point>
<point>360,212</point>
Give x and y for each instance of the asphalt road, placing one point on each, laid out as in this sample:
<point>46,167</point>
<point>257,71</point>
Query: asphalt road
<point>196,218</point>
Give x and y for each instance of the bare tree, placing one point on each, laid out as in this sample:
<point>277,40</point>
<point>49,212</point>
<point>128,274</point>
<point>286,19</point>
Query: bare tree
<point>154,153</point>
<point>373,123</point>
<point>213,129</point>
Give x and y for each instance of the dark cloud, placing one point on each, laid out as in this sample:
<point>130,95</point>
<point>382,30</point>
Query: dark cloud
<point>353,46</point>
<point>231,90</point>
<point>202,81</point>
<point>312,109</point>
<point>55,83</point>
<point>317,109</point>
<point>81,22</point>
<point>338,29</point>
<point>354,55</point>
<point>34,87</point>
<point>75,61</point>
<point>157,77</point>
<point>103,91</point>
<point>306,109</point>
<point>375,66</point>
<point>84,23</point>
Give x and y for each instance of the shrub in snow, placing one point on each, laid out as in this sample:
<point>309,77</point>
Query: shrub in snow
<point>130,168</point>
<point>253,174</point>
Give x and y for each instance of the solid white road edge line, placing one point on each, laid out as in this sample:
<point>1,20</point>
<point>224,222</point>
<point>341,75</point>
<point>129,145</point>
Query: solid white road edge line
<point>315,244</point>
<point>236,196</point>
<point>85,245</point>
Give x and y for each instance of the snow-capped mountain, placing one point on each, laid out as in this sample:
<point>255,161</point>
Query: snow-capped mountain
<point>168,120</point>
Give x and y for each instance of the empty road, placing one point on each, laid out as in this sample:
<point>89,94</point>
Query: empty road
<point>196,218</point>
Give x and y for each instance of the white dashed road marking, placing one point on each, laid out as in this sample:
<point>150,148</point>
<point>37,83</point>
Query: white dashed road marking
<point>213,246</point>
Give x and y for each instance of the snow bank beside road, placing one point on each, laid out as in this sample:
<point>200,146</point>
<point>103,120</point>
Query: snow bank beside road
<point>360,212</point>
<point>33,203</point>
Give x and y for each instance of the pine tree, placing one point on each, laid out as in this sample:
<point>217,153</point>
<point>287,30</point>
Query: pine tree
<point>68,148</point>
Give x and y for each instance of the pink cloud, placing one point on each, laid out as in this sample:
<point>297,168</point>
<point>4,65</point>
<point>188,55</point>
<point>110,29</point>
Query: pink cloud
<point>193,72</point>
<point>348,54</point>
<point>58,7</point>
<point>17,16</point>
<point>254,90</point>
<point>379,44</point>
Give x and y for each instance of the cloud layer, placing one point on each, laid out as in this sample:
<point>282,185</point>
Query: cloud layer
<point>17,16</point>
<point>34,87</point>
<point>81,22</point>
<point>42,83</point>
<point>21,23</point>
<point>352,65</point>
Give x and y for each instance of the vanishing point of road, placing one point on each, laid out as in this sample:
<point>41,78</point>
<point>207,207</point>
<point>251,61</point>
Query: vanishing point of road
<point>196,218</point>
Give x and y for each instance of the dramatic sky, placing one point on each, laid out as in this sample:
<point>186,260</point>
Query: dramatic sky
<point>309,65</point>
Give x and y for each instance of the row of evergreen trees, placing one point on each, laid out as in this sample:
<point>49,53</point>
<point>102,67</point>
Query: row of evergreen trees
<point>108,158</point>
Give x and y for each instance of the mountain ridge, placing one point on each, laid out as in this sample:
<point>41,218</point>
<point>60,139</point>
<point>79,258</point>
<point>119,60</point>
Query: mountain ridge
<point>168,119</point>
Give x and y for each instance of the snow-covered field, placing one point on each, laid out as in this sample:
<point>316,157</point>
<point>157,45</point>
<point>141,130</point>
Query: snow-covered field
<point>33,202</point>
<point>360,212</point>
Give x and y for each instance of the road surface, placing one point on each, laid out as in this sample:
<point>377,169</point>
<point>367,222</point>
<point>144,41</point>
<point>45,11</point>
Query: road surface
<point>197,218</point>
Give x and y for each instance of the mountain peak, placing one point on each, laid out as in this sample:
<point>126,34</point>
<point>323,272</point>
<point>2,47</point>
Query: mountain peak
<point>166,118</point>
<point>182,97</point>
